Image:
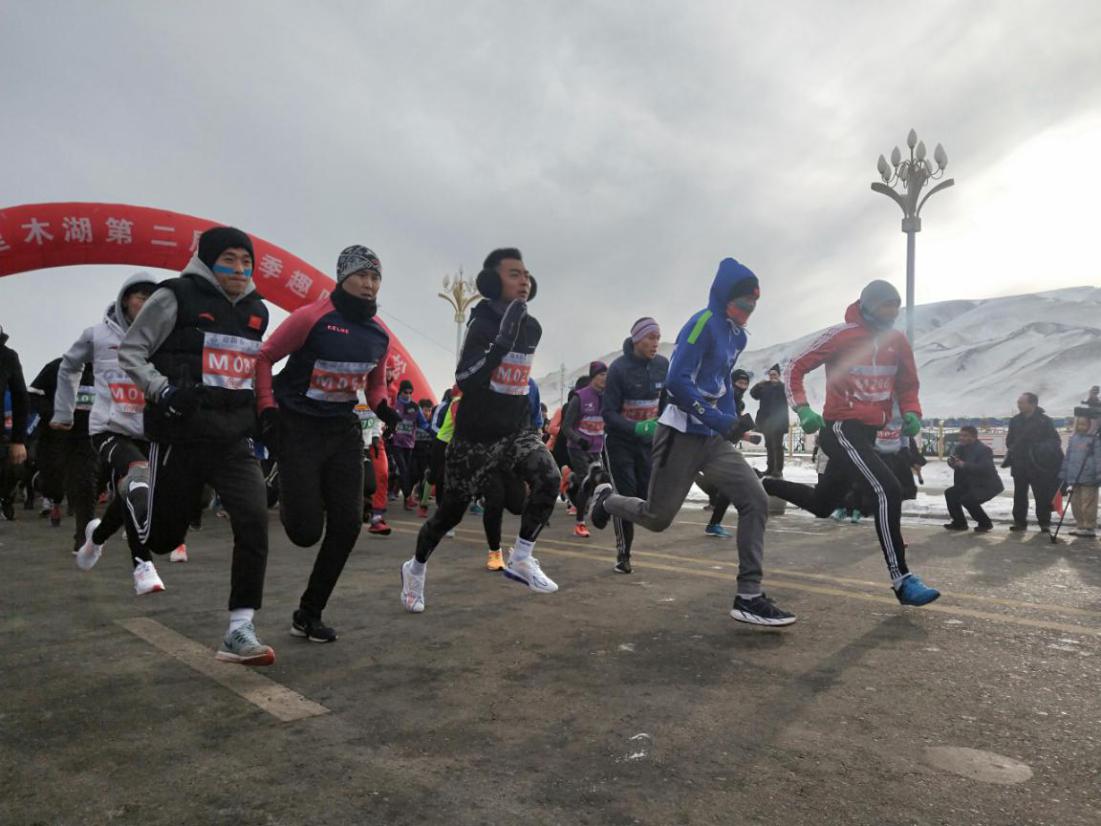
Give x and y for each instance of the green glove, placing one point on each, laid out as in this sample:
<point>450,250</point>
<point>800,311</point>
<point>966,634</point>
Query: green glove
<point>810,421</point>
<point>645,429</point>
<point>911,424</point>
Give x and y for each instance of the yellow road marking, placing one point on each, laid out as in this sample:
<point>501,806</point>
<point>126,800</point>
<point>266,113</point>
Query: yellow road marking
<point>781,582</point>
<point>277,700</point>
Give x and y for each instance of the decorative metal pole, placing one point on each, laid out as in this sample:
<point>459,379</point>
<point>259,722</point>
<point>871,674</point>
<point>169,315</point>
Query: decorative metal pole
<point>912,174</point>
<point>460,294</point>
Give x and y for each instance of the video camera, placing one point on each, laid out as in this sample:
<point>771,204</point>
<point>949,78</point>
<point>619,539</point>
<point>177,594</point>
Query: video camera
<point>1087,412</point>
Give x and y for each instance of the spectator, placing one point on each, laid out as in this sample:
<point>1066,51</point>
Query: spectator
<point>13,450</point>
<point>976,481</point>
<point>1034,453</point>
<point>1079,472</point>
<point>1094,397</point>
<point>772,418</point>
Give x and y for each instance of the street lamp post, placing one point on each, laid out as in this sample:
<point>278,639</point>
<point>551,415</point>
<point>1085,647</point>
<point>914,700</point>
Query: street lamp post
<point>912,173</point>
<point>460,294</point>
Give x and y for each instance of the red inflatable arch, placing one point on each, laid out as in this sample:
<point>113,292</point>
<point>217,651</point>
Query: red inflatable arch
<point>41,236</point>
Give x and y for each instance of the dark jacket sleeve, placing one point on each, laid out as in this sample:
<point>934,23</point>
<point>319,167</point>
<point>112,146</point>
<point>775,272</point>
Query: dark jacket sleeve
<point>612,403</point>
<point>17,385</point>
<point>570,419</point>
<point>480,355</point>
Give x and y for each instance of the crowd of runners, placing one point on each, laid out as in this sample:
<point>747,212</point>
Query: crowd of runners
<point>172,400</point>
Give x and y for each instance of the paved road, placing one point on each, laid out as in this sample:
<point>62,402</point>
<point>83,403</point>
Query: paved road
<point>618,700</point>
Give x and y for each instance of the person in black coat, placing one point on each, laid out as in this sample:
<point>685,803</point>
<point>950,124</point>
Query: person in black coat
<point>976,481</point>
<point>1034,454</point>
<point>772,418</point>
<point>13,449</point>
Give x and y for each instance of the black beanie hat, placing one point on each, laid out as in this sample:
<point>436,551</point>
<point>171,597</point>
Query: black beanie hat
<point>739,374</point>
<point>744,286</point>
<point>405,385</point>
<point>217,240</point>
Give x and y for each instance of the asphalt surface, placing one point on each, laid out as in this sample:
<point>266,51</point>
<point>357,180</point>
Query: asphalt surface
<point>617,700</point>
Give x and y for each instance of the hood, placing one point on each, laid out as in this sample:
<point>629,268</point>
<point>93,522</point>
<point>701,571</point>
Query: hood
<point>854,316</point>
<point>730,273</point>
<point>116,312</point>
<point>196,267</point>
<point>3,337</point>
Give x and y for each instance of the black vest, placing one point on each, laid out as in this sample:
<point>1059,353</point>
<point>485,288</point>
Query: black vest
<point>213,346</point>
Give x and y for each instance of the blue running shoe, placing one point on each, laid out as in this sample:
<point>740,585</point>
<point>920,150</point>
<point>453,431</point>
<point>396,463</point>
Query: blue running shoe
<point>718,531</point>
<point>913,591</point>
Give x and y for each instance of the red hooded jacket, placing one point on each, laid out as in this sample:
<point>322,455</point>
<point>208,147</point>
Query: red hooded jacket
<point>866,370</point>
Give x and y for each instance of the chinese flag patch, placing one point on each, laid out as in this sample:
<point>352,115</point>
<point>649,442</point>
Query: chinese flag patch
<point>254,321</point>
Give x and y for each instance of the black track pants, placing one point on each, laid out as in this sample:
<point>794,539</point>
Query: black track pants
<point>68,468</point>
<point>118,453</point>
<point>628,464</point>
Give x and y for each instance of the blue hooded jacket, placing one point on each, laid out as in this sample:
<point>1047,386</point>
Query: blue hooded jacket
<point>701,397</point>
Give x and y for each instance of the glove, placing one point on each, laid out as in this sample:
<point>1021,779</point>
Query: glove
<point>584,444</point>
<point>743,425</point>
<point>810,421</point>
<point>178,402</point>
<point>387,414</point>
<point>269,430</point>
<point>1063,488</point>
<point>645,429</point>
<point>511,322</point>
<point>911,424</point>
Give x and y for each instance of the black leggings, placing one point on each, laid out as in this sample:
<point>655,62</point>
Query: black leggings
<point>850,447</point>
<point>118,453</point>
<point>628,464</point>
<point>471,467</point>
<point>321,490</point>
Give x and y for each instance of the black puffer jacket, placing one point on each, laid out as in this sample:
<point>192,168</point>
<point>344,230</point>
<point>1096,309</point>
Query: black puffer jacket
<point>772,415</point>
<point>11,379</point>
<point>1034,447</point>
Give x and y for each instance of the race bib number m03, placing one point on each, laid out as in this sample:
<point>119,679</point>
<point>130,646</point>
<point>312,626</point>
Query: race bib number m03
<point>338,381</point>
<point>512,374</point>
<point>229,361</point>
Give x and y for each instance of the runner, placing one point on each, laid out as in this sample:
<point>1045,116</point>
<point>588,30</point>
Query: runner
<point>307,418</point>
<point>192,353</point>
<point>117,433</point>
<point>869,366</point>
<point>13,448</point>
<point>493,430</point>
<point>630,409</point>
<point>693,436</point>
<point>422,458</point>
<point>583,425</point>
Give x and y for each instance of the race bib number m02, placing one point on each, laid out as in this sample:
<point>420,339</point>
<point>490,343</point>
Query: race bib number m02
<point>338,381</point>
<point>229,361</point>
<point>512,374</point>
<point>126,398</point>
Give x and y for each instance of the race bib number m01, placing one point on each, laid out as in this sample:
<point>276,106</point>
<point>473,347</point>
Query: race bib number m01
<point>338,381</point>
<point>126,398</point>
<point>229,361</point>
<point>512,374</point>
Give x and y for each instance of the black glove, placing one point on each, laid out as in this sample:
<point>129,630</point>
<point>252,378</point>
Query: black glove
<point>387,414</point>
<point>178,402</point>
<point>1064,488</point>
<point>269,430</point>
<point>744,424</point>
<point>584,444</point>
<point>511,322</point>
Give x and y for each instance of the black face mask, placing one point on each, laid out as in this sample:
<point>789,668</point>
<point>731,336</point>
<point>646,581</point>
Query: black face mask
<point>357,309</point>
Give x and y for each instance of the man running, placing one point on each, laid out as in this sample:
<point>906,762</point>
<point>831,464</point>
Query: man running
<point>192,352</point>
<point>694,436</point>
<point>307,418</point>
<point>629,406</point>
<point>869,366</point>
<point>493,433</point>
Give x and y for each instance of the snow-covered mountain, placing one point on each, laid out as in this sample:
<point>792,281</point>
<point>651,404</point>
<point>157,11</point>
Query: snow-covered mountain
<point>975,357</point>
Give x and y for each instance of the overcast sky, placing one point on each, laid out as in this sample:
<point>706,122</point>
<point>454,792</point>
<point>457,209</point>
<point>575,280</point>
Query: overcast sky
<point>625,147</point>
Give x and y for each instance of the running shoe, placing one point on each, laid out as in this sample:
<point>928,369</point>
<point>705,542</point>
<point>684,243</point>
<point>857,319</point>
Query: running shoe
<point>838,515</point>
<point>410,503</point>
<point>718,531</point>
<point>596,475</point>
<point>243,647</point>
<point>422,511</point>
<point>55,515</point>
<point>7,507</point>
<point>955,526</point>
<point>579,529</point>
<point>760,610</point>
<point>495,562</point>
<point>412,588</point>
<point>598,514</point>
<point>476,509</point>
<point>623,564</point>
<point>179,554</point>
<point>1017,527</point>
<point>527,572</point>
<point>855,518</point>
<point>1045,529</point>
<point>90,552</point>
<point>571,510</point>
<point>379,528</point>
<point>984,528</point>
<point>312,628</point>
<point>146,580</point>
<point>913,591</point>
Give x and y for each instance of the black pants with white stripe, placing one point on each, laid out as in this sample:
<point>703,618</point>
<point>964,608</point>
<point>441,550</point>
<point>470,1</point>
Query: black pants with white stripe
<point>850,446</point>
<point>118,453</point>
<point>629,466</point>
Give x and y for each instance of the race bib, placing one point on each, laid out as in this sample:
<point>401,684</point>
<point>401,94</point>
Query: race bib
<point>591,426</point>
<point>229,361</point>
<point>85,397</point>
<point>126,398</point>
<point>639,410</point>
<point>512,374</point>
<point>338,381</point>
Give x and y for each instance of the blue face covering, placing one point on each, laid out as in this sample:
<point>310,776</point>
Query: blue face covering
<point>221,270</point>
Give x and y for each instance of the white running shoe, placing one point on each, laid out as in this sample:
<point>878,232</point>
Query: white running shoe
<point>412,588</point>
<point>90,552</point>
<point>528,572</point>
<point>178,555</point>
<point>146,580</point>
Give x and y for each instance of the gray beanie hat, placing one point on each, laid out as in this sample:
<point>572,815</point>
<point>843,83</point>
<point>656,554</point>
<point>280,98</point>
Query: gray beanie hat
<point>876,294</point>
<point>355,258</point>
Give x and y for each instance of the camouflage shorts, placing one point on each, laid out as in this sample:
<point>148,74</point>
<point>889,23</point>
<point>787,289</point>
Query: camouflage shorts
<point>470,464</point>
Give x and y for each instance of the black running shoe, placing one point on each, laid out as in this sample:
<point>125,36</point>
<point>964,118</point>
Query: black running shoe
<point>760,611</point>
<point>596,475</point>
<point>956,526</point>
<point>1045,529</point>
<point>984,528</point>
<point>7,507</point>
<point>313,629</point>
<point>598,515</point>
<point>1017,527</point>
<point>623,564</point>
